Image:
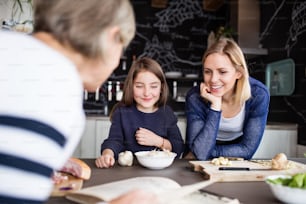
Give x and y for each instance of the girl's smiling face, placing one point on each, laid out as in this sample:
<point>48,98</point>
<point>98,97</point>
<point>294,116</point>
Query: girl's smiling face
<point>220,75</point>
<point>146,91</point>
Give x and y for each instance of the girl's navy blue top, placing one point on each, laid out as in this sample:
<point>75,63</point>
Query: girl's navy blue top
<point>125,122</point>
<point>203,125</point>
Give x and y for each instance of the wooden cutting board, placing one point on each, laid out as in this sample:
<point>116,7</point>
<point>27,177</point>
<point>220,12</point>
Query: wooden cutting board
<point>70,185</point>
<point>212,171</point>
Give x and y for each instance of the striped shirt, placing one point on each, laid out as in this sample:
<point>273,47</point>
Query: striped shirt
<point>41,117</point>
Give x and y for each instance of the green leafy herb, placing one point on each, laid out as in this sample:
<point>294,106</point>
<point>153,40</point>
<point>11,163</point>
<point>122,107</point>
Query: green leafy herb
<point>296,181</point>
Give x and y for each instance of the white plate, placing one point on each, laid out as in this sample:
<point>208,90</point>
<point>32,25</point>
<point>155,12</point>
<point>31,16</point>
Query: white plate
<point>173,74</point>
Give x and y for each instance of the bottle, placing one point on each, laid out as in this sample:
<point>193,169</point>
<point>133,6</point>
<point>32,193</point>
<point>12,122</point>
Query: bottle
<point>97,94</point>
<point>174,90</point>
<point>123,67</point>
<point>109,91</point>
<point>119,92</point>
<point>85,95</point>
<point>274,89</point>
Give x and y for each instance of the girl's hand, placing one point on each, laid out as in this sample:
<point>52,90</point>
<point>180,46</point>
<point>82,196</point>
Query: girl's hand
<point>106,160</point>
<point>147,138</point>
<point>215,101</point>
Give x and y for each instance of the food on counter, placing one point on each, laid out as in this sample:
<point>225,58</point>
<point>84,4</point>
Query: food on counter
<point>288,189</point>
<point>155,153</point>
<point>279,162</point>
<point>221,161</point>
<point>77,168</point>
<point>58,177</point>
<point>295,181</point>
<point>125,158</point>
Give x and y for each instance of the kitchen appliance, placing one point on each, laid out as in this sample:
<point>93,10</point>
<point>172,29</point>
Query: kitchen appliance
<point>245,20</point>
<point>96,103</point>
<point>280,77</point>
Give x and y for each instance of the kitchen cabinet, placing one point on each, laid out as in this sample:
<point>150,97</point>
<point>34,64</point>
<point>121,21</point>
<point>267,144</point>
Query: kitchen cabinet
<point>301,150</point>
<point>181,123</point>
<point>96,130</point>
<point>102,131</point>
<point>277,138</point>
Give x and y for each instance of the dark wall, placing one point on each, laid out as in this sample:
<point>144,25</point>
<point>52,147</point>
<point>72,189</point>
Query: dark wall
<point>283,26</point>
<point>176,36</point>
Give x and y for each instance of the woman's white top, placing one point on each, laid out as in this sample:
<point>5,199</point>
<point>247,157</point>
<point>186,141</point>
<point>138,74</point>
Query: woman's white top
<point>231,128</point>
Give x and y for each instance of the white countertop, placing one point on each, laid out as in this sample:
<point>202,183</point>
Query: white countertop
<point>270,125</point>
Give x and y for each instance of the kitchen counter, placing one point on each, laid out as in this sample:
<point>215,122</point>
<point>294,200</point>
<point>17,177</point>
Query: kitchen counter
<point>181,171</point>
<point>281,126</point>
<point>270,125</point>
<point>278,137</point>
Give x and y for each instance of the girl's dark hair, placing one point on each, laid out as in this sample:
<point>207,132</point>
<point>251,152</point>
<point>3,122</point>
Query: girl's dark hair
<point>139,65</point>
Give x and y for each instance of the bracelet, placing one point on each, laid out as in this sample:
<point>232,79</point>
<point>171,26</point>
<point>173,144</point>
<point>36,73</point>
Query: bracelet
<point>162,146</point>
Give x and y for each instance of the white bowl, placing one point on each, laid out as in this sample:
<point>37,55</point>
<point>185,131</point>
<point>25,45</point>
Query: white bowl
<point>155,159</point>
<point>286,194</point>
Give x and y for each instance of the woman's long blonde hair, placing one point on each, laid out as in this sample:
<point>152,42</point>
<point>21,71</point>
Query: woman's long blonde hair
<point>230,48</point>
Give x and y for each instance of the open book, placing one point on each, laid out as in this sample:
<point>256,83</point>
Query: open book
<point>167,189</point>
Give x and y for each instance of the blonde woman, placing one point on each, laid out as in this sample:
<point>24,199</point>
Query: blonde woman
<point>227,113</point>
<point>75,45</point>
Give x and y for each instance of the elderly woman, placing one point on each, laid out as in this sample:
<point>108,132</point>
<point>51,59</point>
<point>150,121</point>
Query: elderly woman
<point>75,45</point>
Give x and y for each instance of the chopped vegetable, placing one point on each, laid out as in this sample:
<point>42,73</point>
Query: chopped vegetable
<point>280,162</point>
<point>281,181</point>
<point>221,161</point>
<point>296,181</point>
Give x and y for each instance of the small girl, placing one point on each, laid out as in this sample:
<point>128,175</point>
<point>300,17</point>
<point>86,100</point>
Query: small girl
<point>142,121</point>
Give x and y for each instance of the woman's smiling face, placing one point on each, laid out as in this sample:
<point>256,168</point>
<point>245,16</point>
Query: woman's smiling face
<point>220,75</point>
<point>146,90</point>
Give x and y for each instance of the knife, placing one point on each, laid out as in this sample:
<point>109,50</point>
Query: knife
<point>241,169</point>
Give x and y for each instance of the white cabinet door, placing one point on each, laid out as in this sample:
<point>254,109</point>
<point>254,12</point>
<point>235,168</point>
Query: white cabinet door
<point>96,130</point>
<point>102,131</point>
<point>301,151</point>
<point>277,141</point>
<point>181,123</point>
<point>88,140</point>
